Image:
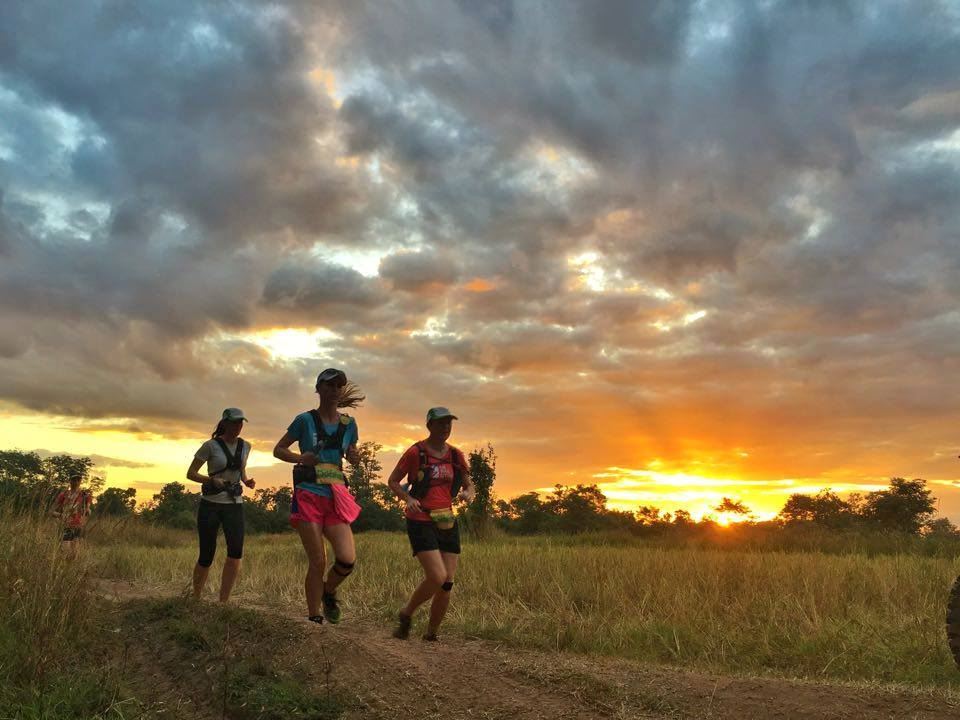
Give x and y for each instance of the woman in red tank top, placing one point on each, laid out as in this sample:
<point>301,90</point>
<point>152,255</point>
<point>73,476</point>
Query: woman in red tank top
<point>437,474</point>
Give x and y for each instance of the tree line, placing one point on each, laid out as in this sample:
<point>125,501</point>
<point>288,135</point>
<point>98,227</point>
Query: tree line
<point>28,481</point>
<point>905,506</point>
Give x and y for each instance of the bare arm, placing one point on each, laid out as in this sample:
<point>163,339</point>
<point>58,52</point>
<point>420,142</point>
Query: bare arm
<point>248,481</point>
<point>352,455</point>
<point>394,483</point>
<point>282,451</point>
<point>467,491</point>
<point>193,472</point>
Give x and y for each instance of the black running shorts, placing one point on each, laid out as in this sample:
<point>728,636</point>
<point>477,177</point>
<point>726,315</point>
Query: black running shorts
<point>425,535</point>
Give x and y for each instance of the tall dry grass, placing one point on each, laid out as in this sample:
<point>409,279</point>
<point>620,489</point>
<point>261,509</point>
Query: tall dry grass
<point>44,593</point>
<point>848,617</point>
<point>52,664</point>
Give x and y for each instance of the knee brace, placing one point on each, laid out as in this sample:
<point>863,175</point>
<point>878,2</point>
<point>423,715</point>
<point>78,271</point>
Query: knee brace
<point>447,586</point>
<point>342,568</point>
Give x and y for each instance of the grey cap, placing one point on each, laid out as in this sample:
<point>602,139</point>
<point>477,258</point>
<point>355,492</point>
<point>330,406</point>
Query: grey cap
<point>233,414</point>
<point>332,374</point>
<point>438,413</point>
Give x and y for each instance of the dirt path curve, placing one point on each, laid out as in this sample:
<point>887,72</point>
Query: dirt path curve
<point>459,678</point>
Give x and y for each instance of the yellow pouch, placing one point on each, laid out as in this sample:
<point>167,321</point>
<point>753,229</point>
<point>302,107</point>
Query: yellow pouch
<point>329,474</point>
<point>442,518</point>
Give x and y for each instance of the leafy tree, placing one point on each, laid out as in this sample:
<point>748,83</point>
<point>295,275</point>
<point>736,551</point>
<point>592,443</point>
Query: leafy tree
<point>648,515</point>
<point>278,499</point>
<point>22,482</point>
<point>268,510</point>
<point>941,528</point>
<point>732,507</point>
<point>907,505</point>
<point>60,468</point>
<point>27,480</point>
<point>20,467</point>
<point>483,473</point>
<point>826,508</point>
<point>115,501</point>
<point>368,468</point>
<point>379,509</point>
<point>526,514</point>
<point>578,508</point>
<point>173,506</point>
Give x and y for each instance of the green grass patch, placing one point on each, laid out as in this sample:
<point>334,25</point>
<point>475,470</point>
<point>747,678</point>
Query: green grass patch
<point>250,660</point>
<point>259,693</point>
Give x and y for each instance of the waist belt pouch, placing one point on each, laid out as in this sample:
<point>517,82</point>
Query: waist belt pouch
<point>304,473</point>
<point>442,518</point>
<point>329,474</point>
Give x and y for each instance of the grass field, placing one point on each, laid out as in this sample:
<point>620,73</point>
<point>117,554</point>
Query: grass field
<point>848,617</point>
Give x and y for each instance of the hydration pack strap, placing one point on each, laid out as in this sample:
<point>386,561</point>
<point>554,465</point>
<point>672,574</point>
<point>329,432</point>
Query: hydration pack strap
<point>329,442</point>
<point>234,462</point>
<point>421,484</point>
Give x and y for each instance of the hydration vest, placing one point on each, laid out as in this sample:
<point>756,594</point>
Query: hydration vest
<point>234,462</point>
<point>325,441</point>
<point>420,486</point>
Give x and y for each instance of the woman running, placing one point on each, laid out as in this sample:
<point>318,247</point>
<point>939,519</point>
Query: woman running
<point>322,506</point>
<point>437,474</point>
<point>72,507</point>
<point>221,501</point>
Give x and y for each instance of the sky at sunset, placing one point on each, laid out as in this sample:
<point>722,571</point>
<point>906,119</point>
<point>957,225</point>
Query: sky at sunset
<point>684,250</point>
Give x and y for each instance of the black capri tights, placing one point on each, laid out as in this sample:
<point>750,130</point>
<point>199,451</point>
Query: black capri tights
<point>210,516</point>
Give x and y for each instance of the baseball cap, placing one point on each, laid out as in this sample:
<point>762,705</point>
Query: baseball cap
<point>233,414</point>
<point>332,374</point>
<point>437,413</point>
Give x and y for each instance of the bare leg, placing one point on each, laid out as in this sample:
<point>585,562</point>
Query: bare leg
<point>231,568</point>
<point>441,599</point>
<point>341,538</point>
<point>435,574</point>
<point>199,580</point>
<point>311,536</point>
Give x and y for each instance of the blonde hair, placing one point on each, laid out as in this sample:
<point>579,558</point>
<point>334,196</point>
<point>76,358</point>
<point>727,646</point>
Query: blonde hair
<point>350,396</point>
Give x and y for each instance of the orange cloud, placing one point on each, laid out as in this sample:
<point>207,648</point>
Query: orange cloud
<point>479,285</point>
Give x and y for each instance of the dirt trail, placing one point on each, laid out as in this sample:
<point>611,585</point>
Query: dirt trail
<point>460,678</point>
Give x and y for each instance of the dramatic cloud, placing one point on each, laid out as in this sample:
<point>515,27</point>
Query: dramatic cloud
<point>716,238</point>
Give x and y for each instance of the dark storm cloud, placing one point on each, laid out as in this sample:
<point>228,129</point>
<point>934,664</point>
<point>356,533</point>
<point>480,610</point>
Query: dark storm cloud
<point>315,286</point>
<point>765,194</point>
<point>210,109</point>
<point>417,270</point>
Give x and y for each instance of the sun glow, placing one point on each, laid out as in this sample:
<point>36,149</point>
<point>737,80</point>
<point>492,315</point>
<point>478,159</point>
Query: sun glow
<point>696,493</point>
<point>589,273</point>
<point>293,343</point>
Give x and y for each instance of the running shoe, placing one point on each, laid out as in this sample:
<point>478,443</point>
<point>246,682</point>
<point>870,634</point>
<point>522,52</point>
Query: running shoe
<point>331,608</point>
<point>403,626</point>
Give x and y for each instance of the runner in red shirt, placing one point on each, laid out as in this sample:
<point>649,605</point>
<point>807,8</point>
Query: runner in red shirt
<point>437,474</point>
<point>72,507</point>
